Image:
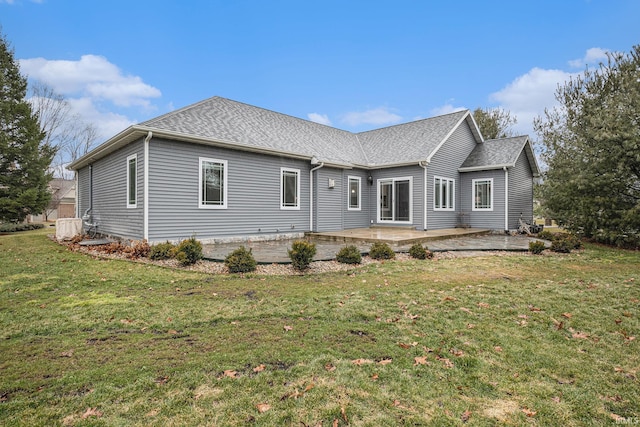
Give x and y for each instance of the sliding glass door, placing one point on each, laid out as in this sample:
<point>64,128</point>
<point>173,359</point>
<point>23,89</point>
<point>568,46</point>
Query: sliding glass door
<point>395,200</point>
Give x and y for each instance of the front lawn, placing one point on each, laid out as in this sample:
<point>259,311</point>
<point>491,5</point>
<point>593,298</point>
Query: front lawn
<point>518,339</point>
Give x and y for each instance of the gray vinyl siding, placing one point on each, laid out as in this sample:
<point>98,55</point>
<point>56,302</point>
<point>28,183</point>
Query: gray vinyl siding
<point>110,193</point>
<point>520,192</point>
<point>253,194</point>
<point>83,199</point>
<point>494,219</point>
<point>445,163</point>
<point>329,201</point>
<point>361,218</point>
<point>417,175</point>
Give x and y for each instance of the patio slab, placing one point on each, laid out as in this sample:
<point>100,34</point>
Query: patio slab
<point>276,251</point>
<point>394,236</point>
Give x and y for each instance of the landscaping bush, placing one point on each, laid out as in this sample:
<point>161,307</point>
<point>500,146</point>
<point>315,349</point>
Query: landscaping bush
<point>565,242</point>
<point>161,251</point>
<point>12,228</point>
<point>301,254</point>
<point>349,255</point>
<point>418,251</point>
<point>188,251</point>
<point>240,261</point>
<point>139,249</point>
<point>381,251</point>
<point>545,235</point>
<point>536,247</point>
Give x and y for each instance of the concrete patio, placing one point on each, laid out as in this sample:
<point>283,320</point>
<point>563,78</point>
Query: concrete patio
<point>400,240</point>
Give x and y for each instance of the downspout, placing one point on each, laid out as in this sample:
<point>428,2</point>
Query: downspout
<point>145,188</point>
<point>314,161</point>
<point>91,187</point>
<point>423,165</point>
<point>506,199</point>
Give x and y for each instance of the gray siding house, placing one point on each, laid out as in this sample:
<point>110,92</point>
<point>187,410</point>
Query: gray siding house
<point>223,170</point>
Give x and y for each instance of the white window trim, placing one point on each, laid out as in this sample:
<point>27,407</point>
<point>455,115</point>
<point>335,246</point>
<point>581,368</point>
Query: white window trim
<point>225,182</point>
<point>359,180</point>
<point>473,195</point>
<point>443,179</point>
<point>129,204</point>
<point>282,206</point>
<point>393,180</point>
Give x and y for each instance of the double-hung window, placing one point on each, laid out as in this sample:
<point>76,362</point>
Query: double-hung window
<point>483,194</point>
<point>354,193</point>
<point>213,184</point>
<point>132,181</point>
<point>289,188</point>
<point>444,194</point>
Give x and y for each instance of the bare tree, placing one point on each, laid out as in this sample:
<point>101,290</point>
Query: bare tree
<point>64,129</point>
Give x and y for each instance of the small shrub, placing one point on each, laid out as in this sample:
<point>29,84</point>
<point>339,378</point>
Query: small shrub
<point>188,251</point>
<point>381,250</point>
<point>545,235</point>
<point>301,254</point>
<point>565,242</point>
<point>13,228</point>
<point>240,261</point>
<point>139,249</point>
<point>161,251</point>
<point>349,255</point>
<point>536,247</point>
<point>418,251</point>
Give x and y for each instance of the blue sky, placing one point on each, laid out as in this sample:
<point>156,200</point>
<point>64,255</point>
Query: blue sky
<point>355,65</point>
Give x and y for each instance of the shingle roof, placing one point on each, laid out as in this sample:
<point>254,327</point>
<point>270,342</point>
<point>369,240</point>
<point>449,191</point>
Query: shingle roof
<point>230,121</point>
<point>498,153</point>
<point>409,142</point>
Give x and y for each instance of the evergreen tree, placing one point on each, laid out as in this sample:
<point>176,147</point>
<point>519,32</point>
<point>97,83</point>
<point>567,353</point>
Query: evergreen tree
<point>24,158</point>
<point>592,148</point>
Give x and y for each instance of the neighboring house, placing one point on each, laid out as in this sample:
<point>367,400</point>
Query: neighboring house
<point>63,201</point>
<point>222,170</point>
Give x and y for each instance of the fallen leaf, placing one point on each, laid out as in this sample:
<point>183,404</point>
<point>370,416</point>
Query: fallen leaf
<point>555,399</point>
<point>361,361</point>
<point>263,407</point>
<point>532,308</point>
<point>329,367</point>
<point>498,349</point>
<point>335,423</point>
<point>447,363</point>
<point>567,315</point>
<point>344,414</point>
<point>172,332</point>
<point>288,328</point>
<point>618,321</point>
<point>470,326</point>
<point>259,368</point>
<point>617,418</point>
<point>403,345</point>
<point>161,380</point>
<point>483,305</point>
<point>522,316</point>
<point>456,352</point>
<point>231,373</point>
<point>580,335</point>
<point>528,412</point>
<point>420,360</point>
<point>374,377</point>
<point>309,387</point>
<point>385,361</point>
<point>126,321</point>
<point>68,353</point>
<point>465,416</point>
<point>466,310</point>
<point>91,412</point>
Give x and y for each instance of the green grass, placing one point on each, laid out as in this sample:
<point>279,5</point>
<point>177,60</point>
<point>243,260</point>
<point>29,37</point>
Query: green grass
<point>103,342</point>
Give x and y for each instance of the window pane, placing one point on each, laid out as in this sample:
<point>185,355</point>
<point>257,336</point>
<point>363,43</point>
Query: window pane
<point>290,188</point>
<point>402,197</point>
<point>483,195</point>
<point>354,193</point>
<point>437,193</point>
<point>132,181</point>
<point>212,183</point>
<point>386,211</point>
<point>450,192</point>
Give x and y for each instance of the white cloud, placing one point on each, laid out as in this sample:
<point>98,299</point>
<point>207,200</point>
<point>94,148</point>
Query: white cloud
<point>378,116</point>
<point>595,55</point>
<point>445,109</point>
<point>107,123</point>
<point>92,76</point>
<point>528,95</point>
<point>323,119</point>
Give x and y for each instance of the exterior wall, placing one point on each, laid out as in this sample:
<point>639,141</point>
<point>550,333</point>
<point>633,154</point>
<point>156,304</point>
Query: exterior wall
<point>445,163</point>
<point>110,193</point>
<point>484,219</point>
<point>363,217</point>
<point>253,194</point>
<point>328,203</point>
<point>417,175</point>
<point>520,192</point>
<point>83,191</point>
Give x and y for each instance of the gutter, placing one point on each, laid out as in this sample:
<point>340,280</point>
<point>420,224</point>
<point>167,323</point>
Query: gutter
<point>314,161</point>
<point>423,165</point>
<point>506,199</point>
<point>145,211</point>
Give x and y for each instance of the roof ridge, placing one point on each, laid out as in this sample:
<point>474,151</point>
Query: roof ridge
<point>413,121</point>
